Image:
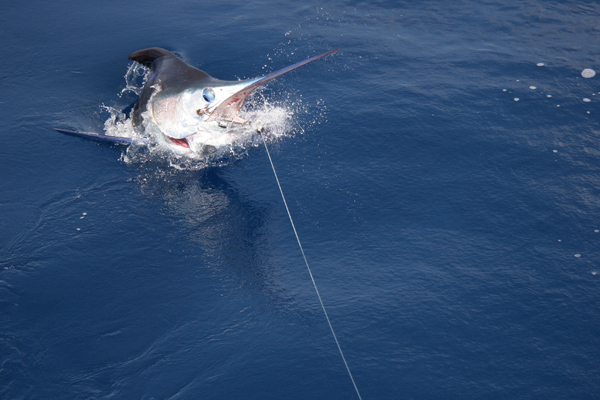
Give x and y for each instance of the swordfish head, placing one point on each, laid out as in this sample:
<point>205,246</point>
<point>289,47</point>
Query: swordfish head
<point>182,100</point>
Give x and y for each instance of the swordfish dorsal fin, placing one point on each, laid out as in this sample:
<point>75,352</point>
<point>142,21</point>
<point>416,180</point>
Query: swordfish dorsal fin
<point>147,56</point>
<point>171,70</point>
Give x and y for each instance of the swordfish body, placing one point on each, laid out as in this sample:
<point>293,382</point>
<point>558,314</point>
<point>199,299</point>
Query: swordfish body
<point>181,103</point>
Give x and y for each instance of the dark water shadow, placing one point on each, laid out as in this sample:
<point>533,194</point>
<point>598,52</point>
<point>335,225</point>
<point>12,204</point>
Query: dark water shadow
<point>217,223</point>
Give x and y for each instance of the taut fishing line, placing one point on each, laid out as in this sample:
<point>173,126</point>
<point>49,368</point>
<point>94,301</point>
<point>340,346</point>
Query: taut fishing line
<point>309,270</point>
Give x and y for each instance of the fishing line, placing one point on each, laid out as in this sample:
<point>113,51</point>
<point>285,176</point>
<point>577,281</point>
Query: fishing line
<point>308,267</point>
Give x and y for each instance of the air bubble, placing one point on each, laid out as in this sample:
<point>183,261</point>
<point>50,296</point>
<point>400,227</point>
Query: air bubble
<point>588,73</point>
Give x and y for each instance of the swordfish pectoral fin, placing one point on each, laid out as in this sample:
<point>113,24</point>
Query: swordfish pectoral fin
<point>102,138</point>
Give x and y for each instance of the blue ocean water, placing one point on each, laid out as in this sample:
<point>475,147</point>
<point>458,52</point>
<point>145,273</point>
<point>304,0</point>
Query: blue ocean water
<point>442,173</point>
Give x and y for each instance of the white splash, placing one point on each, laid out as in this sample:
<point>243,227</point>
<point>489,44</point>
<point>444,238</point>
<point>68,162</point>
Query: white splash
<point>132,77</point>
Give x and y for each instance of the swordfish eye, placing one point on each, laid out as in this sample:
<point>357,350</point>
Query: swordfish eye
<point>208,95</point>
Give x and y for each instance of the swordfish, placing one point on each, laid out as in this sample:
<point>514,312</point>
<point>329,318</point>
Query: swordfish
<point>181,102</point>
